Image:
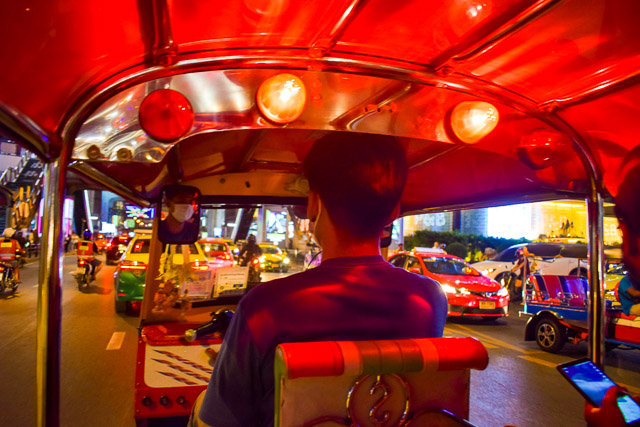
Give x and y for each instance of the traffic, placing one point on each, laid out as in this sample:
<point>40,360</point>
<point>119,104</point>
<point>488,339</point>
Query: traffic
<point>346,116</point>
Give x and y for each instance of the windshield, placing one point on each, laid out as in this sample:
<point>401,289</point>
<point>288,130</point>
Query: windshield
<point>213,247</point>
<point>450,266</point>
<point>177,249</point>
<point>271,250</point>
<point>140,246</point>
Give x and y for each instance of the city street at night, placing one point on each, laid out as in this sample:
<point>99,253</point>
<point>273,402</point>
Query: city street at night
<point>521,385</point>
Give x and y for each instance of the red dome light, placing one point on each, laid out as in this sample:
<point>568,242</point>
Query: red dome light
<point>282,98</point>
<point>473,120</point>
<point>166,115</point>
<point>541,148</point>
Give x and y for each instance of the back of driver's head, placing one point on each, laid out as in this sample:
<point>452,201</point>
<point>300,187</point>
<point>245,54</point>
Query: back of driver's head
<point>359,178</point>
<point>627,200</point>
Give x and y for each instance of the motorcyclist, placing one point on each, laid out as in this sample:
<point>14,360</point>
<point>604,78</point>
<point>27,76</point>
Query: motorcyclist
<point>87,250</point>
<point>249,251</point>
<point>9,250</point>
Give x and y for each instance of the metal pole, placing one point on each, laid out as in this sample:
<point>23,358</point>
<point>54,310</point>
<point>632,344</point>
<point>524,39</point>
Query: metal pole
<point>595,213</point>
<point>49,299</point>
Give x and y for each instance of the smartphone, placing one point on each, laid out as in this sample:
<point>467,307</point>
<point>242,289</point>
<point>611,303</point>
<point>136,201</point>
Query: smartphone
<point>593,384</point>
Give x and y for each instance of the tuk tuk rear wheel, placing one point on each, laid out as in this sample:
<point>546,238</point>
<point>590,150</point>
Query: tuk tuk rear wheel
<point>121,306</point>
<point>550,335</point>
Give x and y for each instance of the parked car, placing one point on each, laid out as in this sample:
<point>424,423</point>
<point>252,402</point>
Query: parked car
<point>116,247</point>
<point>561,259</point>
<point>217,252</point>
<point>469,293</point>
<point>129,278</point>
<point>273,258</point>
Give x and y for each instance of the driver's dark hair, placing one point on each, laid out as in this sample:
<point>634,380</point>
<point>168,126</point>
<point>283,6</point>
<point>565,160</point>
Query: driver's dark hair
<point>359,178</point>
<point>627,207</point>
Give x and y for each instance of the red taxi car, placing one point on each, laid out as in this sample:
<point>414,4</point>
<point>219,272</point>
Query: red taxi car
<point>469,293</point>
<point>217,252</point>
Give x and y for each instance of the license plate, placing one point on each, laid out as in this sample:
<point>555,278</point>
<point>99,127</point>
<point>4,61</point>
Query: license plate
<point>80,270</point>
<point>487,305</point>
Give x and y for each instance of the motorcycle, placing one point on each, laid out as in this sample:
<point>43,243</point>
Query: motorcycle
<point>7,281</point>
<point>254,270</point>
<point>83,274</point>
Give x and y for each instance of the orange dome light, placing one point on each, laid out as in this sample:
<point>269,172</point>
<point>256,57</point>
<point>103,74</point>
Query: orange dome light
<point>282,98</point>
<point>473,120</point>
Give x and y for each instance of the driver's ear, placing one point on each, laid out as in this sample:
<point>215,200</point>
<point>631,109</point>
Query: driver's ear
<point>394,214</point>
<point>313,204</point>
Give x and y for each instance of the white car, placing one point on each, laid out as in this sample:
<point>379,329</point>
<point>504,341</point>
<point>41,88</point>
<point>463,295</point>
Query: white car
<point>561,259</point>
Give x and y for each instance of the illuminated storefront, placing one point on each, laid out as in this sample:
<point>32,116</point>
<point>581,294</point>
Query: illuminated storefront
<point>544,220</point>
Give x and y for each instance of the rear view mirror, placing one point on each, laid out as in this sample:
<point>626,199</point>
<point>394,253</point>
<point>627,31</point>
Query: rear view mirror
<point>180,215</point>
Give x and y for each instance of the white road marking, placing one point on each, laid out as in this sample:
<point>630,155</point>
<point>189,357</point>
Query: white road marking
<point>451,332</point>
<point>496,341</point>
<point>116,341</point>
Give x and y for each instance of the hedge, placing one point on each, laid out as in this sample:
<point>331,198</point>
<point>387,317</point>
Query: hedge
<point>475,244</point>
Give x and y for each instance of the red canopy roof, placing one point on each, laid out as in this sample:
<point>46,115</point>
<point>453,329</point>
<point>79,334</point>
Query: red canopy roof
<point>567,65</point>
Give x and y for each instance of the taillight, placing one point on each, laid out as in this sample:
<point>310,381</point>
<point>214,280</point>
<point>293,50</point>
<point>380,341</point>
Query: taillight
<point>200,266</point>
<point>135,267</point>
<point>256,261</point>
<point>81,262</point>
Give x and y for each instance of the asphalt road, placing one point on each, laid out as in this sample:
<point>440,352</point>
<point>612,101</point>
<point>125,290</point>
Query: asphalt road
<point>520,387</point>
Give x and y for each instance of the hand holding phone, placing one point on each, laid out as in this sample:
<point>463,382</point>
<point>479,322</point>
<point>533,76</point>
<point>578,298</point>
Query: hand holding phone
<point>615,407</point>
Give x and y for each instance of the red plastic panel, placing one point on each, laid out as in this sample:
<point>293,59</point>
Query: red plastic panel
<point>54,51</point>
<point>577,45</point>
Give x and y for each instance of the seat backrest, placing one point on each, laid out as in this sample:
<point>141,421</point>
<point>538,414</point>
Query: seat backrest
<point>571,290</point>
<point>413,382</point>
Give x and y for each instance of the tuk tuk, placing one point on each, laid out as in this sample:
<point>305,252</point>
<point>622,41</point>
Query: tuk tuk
<point>494,101</point>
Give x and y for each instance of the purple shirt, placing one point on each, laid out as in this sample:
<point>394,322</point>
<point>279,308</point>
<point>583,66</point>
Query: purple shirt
<point>355,298</point>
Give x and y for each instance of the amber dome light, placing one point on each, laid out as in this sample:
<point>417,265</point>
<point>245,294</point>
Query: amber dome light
<point>282,98</point>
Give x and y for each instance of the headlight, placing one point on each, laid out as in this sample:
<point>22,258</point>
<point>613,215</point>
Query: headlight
<point>262,259</point>
<point>286,261</point>
<point>448,289</point>
<point>502,292</point>
<point>488,271</point>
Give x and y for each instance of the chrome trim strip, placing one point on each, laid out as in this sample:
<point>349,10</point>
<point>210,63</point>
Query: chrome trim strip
<point>165,50</point>
<point>49,310</point>
<point>595,215</point>
<point>87,171</point>
<point>600,90</point>
<point>326,40</point>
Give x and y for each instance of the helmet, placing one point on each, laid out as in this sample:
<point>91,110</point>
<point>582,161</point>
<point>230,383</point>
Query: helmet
<point>86,234</point>
<point>251,238</point>
<point>8,232</point>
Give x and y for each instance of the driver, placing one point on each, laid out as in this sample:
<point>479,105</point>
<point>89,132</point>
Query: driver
<point>627,209</point>
<point>249,251</point>
<point>87,249</point>
<point>179,223</point>
<point>355,181</point>
<point>9,249</point>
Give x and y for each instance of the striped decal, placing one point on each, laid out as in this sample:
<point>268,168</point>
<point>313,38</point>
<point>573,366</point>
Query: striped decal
<point>351,357</point>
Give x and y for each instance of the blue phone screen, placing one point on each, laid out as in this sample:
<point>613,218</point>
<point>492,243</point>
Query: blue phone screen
<point>629,408</point>
<point>590,379</point>
<point>595,383</point>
